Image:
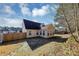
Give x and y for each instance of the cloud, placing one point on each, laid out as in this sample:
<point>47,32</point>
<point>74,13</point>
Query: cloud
<point>10,22</point>
<point>41,12</point>
<point>34,20</point>
<point>8,10</point>
<point>54,7</point>
<point>14,22</point>
<point>24,9</point>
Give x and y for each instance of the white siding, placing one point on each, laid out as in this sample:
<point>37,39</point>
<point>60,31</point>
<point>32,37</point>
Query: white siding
<point>33,33</point>
<point>23,27</point>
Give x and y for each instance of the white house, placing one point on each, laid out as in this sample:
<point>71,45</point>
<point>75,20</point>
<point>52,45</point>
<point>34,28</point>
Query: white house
<point>34,29</point>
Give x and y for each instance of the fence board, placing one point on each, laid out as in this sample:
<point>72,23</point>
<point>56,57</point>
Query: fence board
<point>14,36</point>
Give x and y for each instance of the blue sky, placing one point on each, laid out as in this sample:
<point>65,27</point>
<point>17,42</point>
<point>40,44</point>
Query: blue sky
<point>12,14</point>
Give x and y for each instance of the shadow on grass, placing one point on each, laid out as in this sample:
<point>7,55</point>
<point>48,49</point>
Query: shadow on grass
<point>13,42</point>
<point>36,42</point>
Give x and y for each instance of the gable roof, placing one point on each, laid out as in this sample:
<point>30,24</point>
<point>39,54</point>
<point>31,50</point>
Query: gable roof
<point>31,24</point>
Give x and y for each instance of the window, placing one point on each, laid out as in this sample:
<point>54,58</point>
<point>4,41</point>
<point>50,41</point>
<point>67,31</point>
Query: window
<point>43,32</point>
<point>29,32</point>
<point>48,34</point>
<point>37,33</point>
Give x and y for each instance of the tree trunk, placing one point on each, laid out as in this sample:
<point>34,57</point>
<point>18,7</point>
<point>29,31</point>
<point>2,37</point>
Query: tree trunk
<point>76,20</point>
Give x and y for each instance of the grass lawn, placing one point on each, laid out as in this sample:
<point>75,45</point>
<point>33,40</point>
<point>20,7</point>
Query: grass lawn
<point>42,47</point>
<point>68,48</point>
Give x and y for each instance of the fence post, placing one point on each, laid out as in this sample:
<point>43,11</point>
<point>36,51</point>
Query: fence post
<point>1,37</point>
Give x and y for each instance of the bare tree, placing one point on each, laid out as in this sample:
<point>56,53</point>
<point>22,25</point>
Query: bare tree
<point>71,20</point>
<point>76,19</point>
<point>65,18</point>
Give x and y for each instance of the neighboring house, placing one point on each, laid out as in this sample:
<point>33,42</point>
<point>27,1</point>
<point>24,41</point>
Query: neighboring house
<point>35,29</point>
<point>61,30</point>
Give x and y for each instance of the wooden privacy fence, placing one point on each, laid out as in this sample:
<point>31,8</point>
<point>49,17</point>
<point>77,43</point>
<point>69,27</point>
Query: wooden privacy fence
<point>13,36</point>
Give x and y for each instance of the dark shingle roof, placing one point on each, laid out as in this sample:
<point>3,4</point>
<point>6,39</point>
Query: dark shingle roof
<point>31,25</point>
